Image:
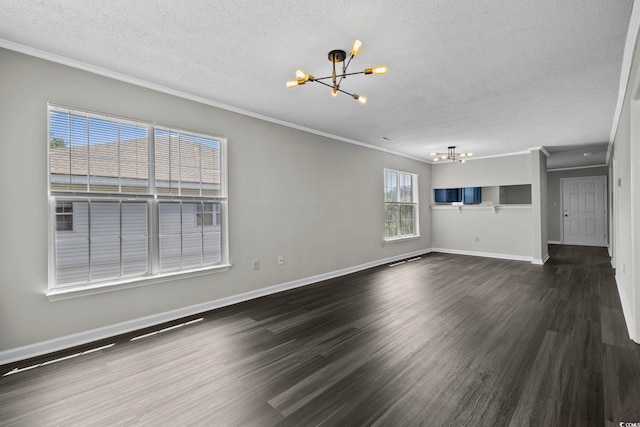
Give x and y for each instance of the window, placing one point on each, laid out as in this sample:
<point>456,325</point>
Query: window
<point>205,215</point>
<point>132,200</point>
<point>64,216</point>
<point>401,204</point>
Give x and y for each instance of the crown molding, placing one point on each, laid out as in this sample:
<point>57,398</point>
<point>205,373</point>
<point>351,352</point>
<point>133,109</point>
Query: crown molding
<point>577,167</point>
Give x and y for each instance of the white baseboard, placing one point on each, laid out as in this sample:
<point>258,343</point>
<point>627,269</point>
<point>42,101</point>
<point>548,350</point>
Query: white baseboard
<point>69,341</point>
<point>484,254</point>
<point>554,242</point>
<point>628,317</point>
<point>537,261</point>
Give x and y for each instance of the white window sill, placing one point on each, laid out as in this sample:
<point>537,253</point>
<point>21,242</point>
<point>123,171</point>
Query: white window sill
<point>99,288</point>
<point>401,239</point>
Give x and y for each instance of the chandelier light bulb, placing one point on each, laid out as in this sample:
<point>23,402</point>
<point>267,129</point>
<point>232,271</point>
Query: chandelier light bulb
<point>356,48</point>
<point>380,69</point>
<point>292,83</point>
<point>303,75</point>
<point>361,99</point>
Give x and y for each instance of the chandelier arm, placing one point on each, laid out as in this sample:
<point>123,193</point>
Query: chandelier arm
<point>328,85</point>
<point>347,74</point>
<point>335,85</point>
<point>329,77</point>
<point>344,69</point>
<point>344,91</point>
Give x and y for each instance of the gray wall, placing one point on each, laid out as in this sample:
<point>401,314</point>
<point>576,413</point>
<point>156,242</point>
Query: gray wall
<point>478,230</point>
<point>554,202</point>
<point>539,206</point>
<point>315,200</point>
<point>505,170</point>
<point>626,201</point>
<point>511,232</point>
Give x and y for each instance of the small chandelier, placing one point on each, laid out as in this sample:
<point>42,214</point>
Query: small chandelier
<point>450,155</point>
<point>336,56</point>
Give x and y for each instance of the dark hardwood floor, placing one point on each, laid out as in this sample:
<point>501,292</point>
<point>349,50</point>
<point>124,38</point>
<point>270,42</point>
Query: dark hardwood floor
<point>444,340</point>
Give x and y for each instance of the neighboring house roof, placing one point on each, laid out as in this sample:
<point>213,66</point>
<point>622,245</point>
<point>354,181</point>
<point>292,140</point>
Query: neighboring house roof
<point>185,161</point>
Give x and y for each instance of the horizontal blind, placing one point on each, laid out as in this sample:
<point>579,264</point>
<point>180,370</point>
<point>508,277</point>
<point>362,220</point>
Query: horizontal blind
<point>108,240</point>
<point>186,241</point>
<point>92,153</point>
<point>187,164</point>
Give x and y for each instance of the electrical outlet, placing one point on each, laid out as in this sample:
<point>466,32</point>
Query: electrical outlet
<point>256,264</point>
<point>477,239</point>
<point>281,259</point>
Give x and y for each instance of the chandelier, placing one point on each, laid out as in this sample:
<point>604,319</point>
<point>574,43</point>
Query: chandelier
<point>338,56</point>
<point>450,155</point>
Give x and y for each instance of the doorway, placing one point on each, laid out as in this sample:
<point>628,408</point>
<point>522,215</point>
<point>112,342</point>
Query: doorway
<point>584,211</point>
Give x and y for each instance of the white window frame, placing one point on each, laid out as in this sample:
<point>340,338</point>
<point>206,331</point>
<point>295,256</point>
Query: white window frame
<point>152,198</point>
<point>414,203</point>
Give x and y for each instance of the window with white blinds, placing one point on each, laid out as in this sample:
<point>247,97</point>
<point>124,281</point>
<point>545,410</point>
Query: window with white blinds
<point>187,239</point>
<point>401,204</point>
<point>130,200</point>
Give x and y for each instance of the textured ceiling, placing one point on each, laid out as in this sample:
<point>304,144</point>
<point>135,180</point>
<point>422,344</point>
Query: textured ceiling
<point>489,76</point>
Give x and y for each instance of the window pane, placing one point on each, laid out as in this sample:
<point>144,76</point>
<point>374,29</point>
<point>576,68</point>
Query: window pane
<point>64,216</point>
<point>209,214</point>
<point>212,248</point>
<point>105,258</point>
<point>134,159</point>
<point>170,252</point>
<point>88,153</point>
<point>103,156</point>
<point>211,166</point>
<point>406,188</point>
<point>170,236</point>
<point>191,249</point>
<point>162,161</point>
<point>391,221</point>
<point>189,218</point>
<point>169,218</point>
<point>187,164</point>
<point>105,219</point>
<point>407,220</point>
<point>59,151</point>
<point>135,255</point>
<point>105,239</point>
<point>390,186</point>
<point>79,153</point>
<point>72,247</point>
<point>135,241</point>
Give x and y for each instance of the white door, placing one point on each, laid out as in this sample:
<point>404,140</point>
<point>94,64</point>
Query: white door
<point>584,211</point>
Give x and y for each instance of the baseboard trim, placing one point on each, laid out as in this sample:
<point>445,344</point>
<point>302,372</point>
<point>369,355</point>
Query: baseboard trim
<point>538,261</point>
<point>554,242</point>
<point>626,312</point>
<point>81,338</point>
<point>483,254</point>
